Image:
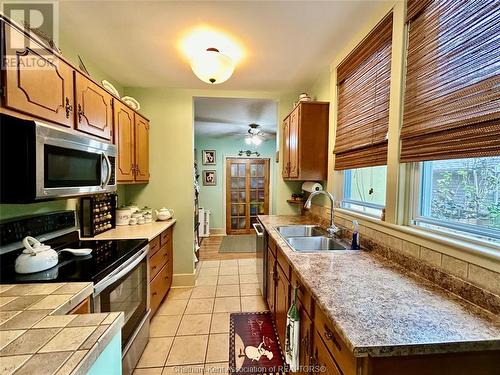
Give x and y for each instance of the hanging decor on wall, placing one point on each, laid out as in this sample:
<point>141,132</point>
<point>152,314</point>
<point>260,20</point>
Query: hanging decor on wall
<point>248,153</point>
<point>208,157</point>
<point>209,178</point>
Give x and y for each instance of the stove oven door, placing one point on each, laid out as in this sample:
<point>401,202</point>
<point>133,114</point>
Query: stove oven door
<point>126,289</point>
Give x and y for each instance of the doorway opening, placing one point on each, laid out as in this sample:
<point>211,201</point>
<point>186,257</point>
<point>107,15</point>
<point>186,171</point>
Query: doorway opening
<point>235,165</point>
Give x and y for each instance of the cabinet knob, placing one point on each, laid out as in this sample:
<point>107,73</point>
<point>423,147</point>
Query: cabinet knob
<point>154,293</point>
<point>329,336</point>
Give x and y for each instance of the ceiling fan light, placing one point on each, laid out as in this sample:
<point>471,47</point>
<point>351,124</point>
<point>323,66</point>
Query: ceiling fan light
<point>248,140</point>
<point>256,141</point>
<point>211,66</point>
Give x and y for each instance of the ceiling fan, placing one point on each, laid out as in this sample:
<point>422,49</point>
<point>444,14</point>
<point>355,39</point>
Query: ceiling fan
<point>255,135</point>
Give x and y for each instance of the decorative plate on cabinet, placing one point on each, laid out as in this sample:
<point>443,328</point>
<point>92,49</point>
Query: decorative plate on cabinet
<point>131,102</point>
<point>108,86</point>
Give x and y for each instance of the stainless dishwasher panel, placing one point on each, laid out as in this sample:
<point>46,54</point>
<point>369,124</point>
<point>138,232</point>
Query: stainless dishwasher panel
<point>261,257</point>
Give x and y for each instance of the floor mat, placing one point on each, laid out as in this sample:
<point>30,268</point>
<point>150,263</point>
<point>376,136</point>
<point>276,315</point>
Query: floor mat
<point>244,243</point>
<point>254,347</point>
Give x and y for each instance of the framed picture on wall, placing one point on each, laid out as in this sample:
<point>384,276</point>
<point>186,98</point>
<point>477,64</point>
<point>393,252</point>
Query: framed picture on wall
<point>209,178</point>
<point>208,157</point>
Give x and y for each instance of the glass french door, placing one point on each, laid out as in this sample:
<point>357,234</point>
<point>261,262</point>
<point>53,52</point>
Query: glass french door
<point>247,193</point>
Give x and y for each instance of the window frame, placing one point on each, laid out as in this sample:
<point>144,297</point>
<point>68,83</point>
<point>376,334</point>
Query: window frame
<point>345,203</point>
<point>459,231</point>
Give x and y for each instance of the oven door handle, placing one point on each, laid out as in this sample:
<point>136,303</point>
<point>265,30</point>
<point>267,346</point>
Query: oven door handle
<point>259,233</point>
<point>122,271</point>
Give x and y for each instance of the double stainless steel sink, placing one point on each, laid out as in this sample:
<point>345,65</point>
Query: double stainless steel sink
<point>309,238</point>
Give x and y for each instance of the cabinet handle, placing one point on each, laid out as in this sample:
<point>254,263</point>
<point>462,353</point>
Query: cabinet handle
<point>155,294</point>
<point>153,268</point>
<point>80,113</point>
<point>329,336</point>
<point>68,107</point>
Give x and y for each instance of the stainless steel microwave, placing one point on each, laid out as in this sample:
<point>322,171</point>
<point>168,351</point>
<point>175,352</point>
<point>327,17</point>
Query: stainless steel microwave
<point>40,162</point>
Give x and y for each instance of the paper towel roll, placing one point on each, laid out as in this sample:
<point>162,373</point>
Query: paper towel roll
<point>311,186</point>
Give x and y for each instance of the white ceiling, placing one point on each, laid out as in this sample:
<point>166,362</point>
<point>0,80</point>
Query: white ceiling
<point>225,117</point>
<point>287,43</point>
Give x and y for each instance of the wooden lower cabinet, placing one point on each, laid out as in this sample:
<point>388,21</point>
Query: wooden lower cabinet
<point>305,347</point>
<point>271,281</point>
<point>322,360</point>
<point>282,303</point>
<point>160,268</point>
<point>82,308</point>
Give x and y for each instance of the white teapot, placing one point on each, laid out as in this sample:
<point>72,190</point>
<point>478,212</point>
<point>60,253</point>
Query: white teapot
<point>164,213</point>
<point>35,257</point>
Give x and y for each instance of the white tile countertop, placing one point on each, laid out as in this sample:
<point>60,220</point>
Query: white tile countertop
<point>127,232</point>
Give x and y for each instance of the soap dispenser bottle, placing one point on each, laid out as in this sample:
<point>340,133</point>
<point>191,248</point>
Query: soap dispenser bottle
<point>355,235</point>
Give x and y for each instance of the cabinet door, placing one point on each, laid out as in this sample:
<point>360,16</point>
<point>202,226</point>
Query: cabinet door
<point>305,347</point>
<point>37,82</point>
<point>294,143</point>
<point>141,149</point>
<point>286,148</point>
<point>94,108</point>
<point>282,304</point>
<point>124,139</point>
<point>271,282</point>
<point>322,358</point>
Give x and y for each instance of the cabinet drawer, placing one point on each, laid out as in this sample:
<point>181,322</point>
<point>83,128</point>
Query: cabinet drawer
<point>272,246</point>
<point>334,343</point>
<point>157,261</point>
<point>304,295</point>
<point>165,237</point>
<point>158,288</point>
<point>323,359</point>
<point>283,264</point>
<point>154,246</point>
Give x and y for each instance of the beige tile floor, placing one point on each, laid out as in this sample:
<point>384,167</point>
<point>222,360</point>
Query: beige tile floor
<point>190,331</point>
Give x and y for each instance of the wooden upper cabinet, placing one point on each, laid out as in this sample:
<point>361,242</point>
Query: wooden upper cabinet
<point>124,140</point>
<point>94,108</point>
<point>305,142</point>
<point>286,147</point>
<point>141,149</point>
<point>293,143</point>
<point>37,82</point>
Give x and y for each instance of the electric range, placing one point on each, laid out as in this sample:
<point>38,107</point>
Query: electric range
<point>117,268</point>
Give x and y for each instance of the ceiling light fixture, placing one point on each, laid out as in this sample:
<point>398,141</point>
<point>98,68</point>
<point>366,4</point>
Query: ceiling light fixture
<point>254,136</point>
<point>211,66</point>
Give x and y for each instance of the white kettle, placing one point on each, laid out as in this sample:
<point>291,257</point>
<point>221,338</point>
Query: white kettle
<point>164,214</point>
<point>35,257</point>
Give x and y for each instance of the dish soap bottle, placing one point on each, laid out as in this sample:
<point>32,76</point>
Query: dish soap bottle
<point>292,335</point>
<point>355,235</point>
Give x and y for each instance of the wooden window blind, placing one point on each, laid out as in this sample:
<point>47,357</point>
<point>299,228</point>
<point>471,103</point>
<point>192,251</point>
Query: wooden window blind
<point>452,95</point>
<point>363,81</point>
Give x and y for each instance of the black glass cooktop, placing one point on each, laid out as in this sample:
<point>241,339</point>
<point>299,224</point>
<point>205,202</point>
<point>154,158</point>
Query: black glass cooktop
<point>106,256</point>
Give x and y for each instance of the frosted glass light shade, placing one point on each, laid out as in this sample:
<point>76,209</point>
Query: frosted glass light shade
<point>211,66</point>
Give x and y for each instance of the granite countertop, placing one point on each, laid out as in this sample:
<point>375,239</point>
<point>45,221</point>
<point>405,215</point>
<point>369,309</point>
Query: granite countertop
<point>127,232</point>
<point>36,335</point>
<point>381,309</point>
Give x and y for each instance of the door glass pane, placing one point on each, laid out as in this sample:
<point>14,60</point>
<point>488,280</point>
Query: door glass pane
<point>261,209</point>
<point>260,170</point>
<point>253,195</point>
<point>234,223</point>
<point>243,223</point>
<point>253,209</point>
<point>234,209</point>
<point>234,196</point>
<point>253,170</point>
<point>234,183</point>
<point>241,170</point>
<point>260,183</point>
<point>241,209</point>
<point>234,170</point>
<point>243,196</point>
<point>253,183</point>
<point>261,195</point>
<point>241,183</point>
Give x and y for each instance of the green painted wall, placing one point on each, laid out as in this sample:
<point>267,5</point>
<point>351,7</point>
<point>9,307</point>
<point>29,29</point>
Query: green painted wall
<point>213,197</point>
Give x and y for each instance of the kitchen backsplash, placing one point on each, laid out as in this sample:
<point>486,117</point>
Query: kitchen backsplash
<point>472,282</point>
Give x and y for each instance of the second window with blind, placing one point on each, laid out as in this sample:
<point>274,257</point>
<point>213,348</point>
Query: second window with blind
<point>363,84</point>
